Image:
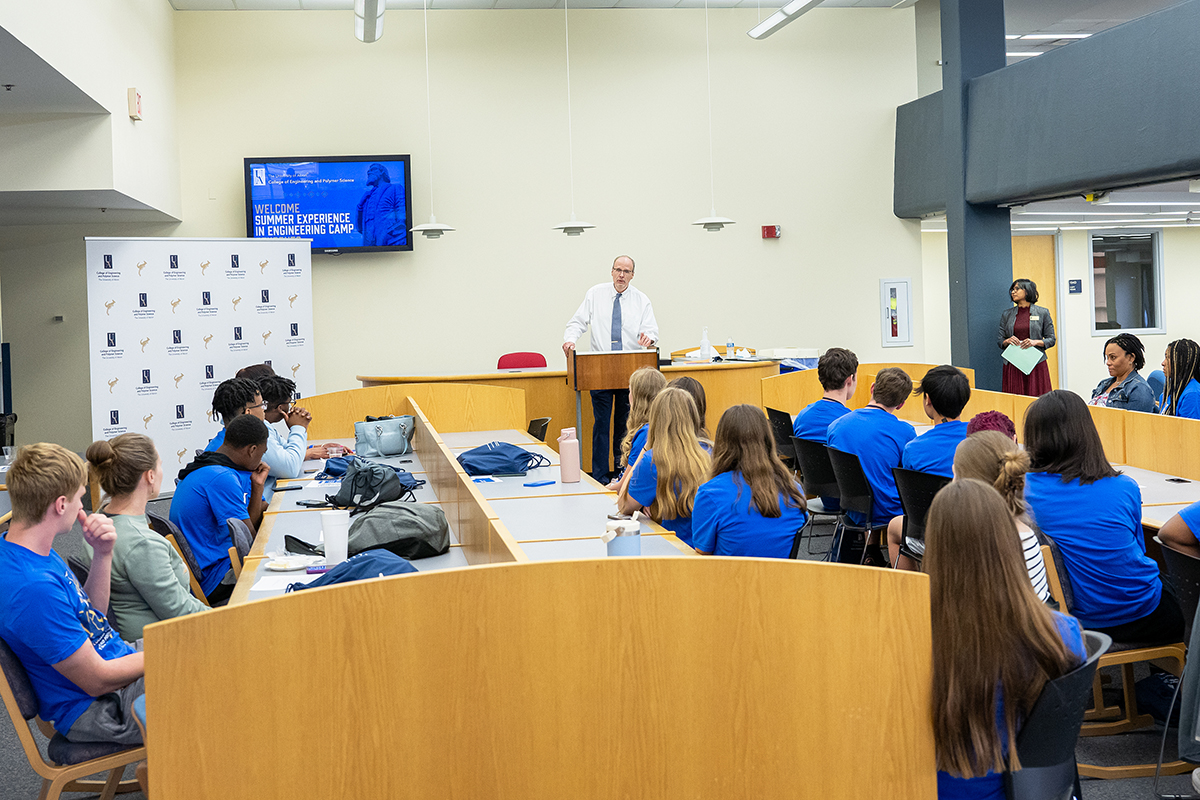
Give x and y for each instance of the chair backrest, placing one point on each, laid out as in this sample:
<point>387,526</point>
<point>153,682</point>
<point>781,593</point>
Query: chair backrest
<point>816,472</point>
<point>853,489</point>
<point>1046,742</point>
<point>1157,380</point>
<point>241,536</point>
<point>917,490</point>
<point>164,527</point>
<point>1065,596</point>
<point>1183,571</point>
<point>520,360</point>
<point>537,428</point>
<point>80,569</point>
<point>18,685</point>
<point>781,426</point>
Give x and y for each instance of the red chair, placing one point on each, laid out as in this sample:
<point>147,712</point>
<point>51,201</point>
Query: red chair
<point>521,360</point>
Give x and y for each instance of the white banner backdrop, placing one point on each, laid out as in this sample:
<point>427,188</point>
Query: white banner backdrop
<point>169,319</point>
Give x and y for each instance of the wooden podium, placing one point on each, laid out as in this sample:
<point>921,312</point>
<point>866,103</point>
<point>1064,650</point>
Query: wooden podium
<point>605,369</point>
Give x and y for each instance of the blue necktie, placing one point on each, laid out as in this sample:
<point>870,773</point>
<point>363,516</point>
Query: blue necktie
<point>616,323</point>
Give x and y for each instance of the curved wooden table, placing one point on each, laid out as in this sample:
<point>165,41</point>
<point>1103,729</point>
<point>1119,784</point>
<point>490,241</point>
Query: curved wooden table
<point>548,395</point>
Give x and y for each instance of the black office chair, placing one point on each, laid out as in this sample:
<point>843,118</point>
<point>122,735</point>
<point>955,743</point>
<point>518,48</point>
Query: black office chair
<point>170,531</point>
<point>781,427</point>
<point>1046,741</point>
<point>80,568</point>
<point>855,495</point>
<point>242,539</point>
<point>917,490</point>
<point>816,475</point>
<point>1183,576</point>
<point>537,428</point>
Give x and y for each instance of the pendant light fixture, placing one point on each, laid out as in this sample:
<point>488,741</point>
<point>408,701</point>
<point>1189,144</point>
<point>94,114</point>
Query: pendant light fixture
<point>432,229</point>
<point>574,227</point>
<point>712,222</point>
<point>368,20</point>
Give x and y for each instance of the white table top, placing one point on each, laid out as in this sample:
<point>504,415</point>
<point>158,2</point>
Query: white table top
<point>458,440</point>
<point>515,487</point>
<point>594,548</point>
<point>567,517</point>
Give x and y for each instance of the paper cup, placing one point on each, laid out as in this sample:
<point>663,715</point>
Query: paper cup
<point>335,528</point>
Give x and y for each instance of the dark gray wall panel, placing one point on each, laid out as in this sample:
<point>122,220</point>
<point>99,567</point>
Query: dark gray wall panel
<point>920,183</point>
<point>1118,109</point>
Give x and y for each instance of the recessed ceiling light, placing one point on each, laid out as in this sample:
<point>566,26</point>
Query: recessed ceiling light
<point>1012,36</point>
<point>1021,55</point>
<point>1052,36</point>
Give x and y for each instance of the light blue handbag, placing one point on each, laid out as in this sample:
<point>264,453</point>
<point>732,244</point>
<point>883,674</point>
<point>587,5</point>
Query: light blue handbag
<point>385,436</point>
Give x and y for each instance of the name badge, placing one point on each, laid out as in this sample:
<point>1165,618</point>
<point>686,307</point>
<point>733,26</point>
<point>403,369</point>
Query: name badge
<point>1034,317</point>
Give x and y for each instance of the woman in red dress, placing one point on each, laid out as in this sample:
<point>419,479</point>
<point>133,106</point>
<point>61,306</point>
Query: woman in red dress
<point>1026,325</point>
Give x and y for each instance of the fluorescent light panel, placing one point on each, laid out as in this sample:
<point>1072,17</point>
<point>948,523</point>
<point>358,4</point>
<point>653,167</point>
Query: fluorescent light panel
<point>1021,55</point>
<point>1052,36</point>
<point>781,17</point>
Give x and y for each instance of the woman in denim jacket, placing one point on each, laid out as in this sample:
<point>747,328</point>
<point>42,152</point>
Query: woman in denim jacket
<point>1125,388</point>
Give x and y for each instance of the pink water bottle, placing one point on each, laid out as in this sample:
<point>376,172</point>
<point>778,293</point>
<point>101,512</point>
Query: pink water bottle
<point>568,456</point>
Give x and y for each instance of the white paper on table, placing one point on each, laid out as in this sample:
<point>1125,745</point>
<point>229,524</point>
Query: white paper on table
<point>280,582</point>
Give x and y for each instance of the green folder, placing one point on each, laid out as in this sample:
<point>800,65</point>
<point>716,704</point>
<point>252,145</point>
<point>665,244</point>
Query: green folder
<point>1024,360</point>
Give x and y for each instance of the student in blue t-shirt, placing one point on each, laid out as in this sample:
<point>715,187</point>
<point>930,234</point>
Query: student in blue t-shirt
<point>877,437</point>
<point>85,677</point>
<point>837,371</point>
<point>1095,515</point>
<point>1181,392</point>
<point>223,484</point>
<point>995,644</point>
<point>232,399</point>
<point>672,466</point>
<point>752,505</point>
<point>644,385</point>
<point>1179,532</point>
<point>946,391</point>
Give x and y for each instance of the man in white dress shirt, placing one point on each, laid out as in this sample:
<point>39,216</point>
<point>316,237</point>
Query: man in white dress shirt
<point>621,319</point>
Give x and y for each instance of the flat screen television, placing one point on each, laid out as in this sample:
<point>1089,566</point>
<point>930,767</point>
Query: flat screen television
<point>345,204</point>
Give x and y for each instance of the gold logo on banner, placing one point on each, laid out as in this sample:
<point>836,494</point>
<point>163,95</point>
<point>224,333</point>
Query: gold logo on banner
<point>145,342</point>
<point>175,303</point>
<point>292,299</point>
<point>146,419</point>
<point>262,267</point>
<point>111,384</point>
<point>108,307</point>
<point>212,415</point>
<point>204,266</point>
<point>207,339</point>
<point>141,266</point>
<point>181,454</point>
<point>295,367</point>
<point>266,336</point>
<point>236,300</point>
<point>178,378</point>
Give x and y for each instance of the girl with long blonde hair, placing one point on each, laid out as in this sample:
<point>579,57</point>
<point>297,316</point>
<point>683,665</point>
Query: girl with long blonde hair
<point>751,505</point>
<point>644,386</point>
<point>995,644</point>
<point>995,459</point>
<point>671,468</point>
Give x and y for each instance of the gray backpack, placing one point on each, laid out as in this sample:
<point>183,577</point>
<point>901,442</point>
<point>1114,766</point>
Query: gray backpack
<point>409,530</point>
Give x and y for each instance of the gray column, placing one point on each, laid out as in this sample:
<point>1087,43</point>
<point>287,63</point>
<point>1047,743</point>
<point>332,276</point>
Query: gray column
<point>978,237</point>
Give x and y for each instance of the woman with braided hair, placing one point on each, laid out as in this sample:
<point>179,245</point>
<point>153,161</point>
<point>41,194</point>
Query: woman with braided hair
<point>1181,394</point>
<point>1124,355</point>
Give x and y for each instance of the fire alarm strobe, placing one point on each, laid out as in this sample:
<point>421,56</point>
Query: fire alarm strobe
<point>772,231</point>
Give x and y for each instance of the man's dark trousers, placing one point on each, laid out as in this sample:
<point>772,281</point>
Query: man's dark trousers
<point>603,402</point>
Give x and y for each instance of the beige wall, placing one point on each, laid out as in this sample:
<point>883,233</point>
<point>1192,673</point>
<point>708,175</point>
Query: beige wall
<point>803,125</point>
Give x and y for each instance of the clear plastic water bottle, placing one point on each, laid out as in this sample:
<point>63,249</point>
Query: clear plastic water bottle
<point>729,348</point>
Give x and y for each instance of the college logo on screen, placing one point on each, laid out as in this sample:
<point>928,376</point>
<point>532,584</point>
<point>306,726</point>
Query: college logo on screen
<point>145,376</point>
<point>206,298</point>
<point>291,259</point>
<point>295,329</point>
<point>174,262</point>
<point>233,262</point>
<point>237,333</point>
<point>208,372</point>
<point>266,295</point>
<point>112,340</point>
<point>114,418</point>
<point>259,176</point>
<point>142,301</point>
<point>108,265</point>
<point>177,336</point>
<point>179,412</point>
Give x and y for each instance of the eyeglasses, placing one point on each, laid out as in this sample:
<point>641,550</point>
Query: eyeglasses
<point>622,271</point>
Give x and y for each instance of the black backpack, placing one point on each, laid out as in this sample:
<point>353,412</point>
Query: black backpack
<point>366,485</point>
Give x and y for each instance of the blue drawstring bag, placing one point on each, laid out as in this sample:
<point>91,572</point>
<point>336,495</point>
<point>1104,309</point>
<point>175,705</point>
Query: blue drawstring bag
<point>335,467</point>
<point>496,457</point>
<point>368,564</point>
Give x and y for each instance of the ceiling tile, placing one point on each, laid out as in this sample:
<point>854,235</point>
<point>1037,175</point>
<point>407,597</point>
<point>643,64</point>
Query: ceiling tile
<point>267,5</point>
<point>203,5</point>
<point>327,5</point>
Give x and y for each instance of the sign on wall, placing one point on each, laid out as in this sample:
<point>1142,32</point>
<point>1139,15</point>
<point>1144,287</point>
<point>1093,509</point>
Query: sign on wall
<point>895,301</point>
<point>169,319</point>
